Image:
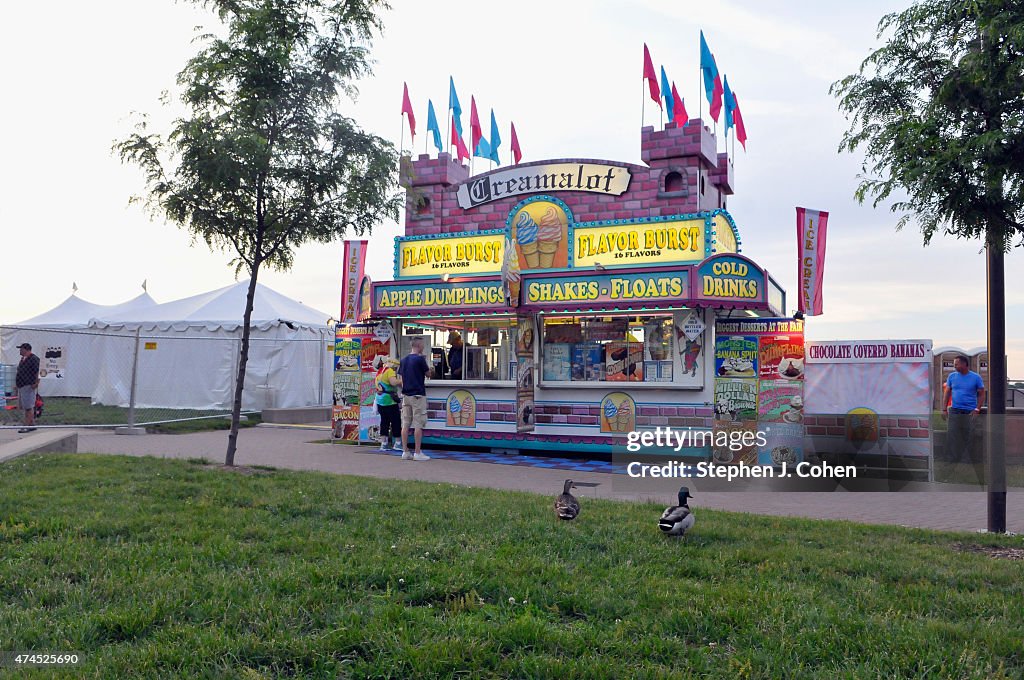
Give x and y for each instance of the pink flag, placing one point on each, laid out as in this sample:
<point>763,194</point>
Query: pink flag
<point>679,115</point>
<point>517,153</point>
<point>476,132</point>
<point>351,278</point>
<point>741,129</point>
<point>460,146</point>
<point>810,233</point>
<point>651,76</point>
<point>407,109</point>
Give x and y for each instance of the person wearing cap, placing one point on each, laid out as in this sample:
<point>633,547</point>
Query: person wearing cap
<point>455,354</point>
<point>27,383</point>
<point>387,383</point>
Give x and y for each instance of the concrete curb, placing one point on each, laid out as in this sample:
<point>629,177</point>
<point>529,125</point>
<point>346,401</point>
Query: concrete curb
<point>56,441</point>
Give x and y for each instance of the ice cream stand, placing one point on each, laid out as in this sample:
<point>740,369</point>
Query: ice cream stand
<point>564,303</point>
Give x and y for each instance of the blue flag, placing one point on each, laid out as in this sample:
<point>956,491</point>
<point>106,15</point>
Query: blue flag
<point>483,149</point>
<point>730,106</point>
<point>708,67</point>
<point>495,139</point>
<point>666,92</point>
<point>454,105</point>
<point>432,127</point>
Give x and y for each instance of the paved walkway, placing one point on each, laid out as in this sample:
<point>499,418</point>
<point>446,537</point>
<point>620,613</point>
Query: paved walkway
<point>294,448</point>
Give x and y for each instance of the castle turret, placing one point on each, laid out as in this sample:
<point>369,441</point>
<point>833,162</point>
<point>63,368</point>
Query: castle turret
<point>690,172</point>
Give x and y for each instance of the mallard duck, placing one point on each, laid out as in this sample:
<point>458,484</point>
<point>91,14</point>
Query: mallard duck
<point>678,519</point>
<point>566,505</point>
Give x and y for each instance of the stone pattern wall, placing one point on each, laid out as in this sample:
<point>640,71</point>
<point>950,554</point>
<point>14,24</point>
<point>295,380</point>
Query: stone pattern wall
<point>432,206</point>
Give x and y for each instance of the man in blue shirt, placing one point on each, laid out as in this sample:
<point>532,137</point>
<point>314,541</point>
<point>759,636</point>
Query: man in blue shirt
<point>412,372</point>
<point>963,395</point>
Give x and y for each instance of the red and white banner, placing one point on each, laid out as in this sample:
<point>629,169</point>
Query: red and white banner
<point>810,236</point>
<point>351,278</point>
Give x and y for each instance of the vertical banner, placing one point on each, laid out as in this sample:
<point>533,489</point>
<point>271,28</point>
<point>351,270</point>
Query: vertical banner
<point>351,279</point>
<point>759,387</point>
<point>810,237</point>
<point>347,383</point>
<point>526,339</point>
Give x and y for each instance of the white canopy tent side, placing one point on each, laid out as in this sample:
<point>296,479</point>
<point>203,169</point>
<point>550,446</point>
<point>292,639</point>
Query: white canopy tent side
<point>66,329</point>
<point>189,353</point>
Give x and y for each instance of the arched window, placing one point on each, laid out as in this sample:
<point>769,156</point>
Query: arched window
<point>673,182</point>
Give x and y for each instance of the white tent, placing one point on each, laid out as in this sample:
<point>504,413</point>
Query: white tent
<point>64,329</point>
<point>189,352</point>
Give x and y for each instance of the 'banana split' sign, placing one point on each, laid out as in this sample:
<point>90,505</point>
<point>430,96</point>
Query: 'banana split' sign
<point>612,180</point>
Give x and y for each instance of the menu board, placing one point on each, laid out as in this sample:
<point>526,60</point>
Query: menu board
<point>759,369</point>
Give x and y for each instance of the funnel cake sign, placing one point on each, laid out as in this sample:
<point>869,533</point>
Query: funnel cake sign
<point>612,180</point>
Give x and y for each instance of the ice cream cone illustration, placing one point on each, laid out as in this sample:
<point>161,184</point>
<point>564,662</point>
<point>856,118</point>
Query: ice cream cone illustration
<point>610,413</point>
<point>510,274</point>
<point>549,234</point>
<point>526,235</point>
<point>468,408</point>
<point>455,410</point>
<point>624,417</point>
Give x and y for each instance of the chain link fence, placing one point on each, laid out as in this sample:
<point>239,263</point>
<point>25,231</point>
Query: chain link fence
<point>136,377</point>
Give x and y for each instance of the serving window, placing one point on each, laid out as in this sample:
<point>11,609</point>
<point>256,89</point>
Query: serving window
<point>480,350</point>
<point>609,349</point>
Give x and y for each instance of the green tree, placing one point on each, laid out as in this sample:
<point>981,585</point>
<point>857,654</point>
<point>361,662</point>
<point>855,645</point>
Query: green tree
<point>263,162</point>
<point>938,111</point>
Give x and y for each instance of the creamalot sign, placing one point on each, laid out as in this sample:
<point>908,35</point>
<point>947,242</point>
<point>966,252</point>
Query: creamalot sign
<point>612,180</point>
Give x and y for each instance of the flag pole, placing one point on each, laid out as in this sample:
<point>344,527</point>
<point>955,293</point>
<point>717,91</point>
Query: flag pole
<point>401,142</point>
<point>643,102</point>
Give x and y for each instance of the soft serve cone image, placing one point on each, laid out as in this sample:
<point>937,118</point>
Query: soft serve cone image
<point>455,408</point>
<point>625,415</point>
<point>467,409</point>
<point>526,235</point>
<point>510,272</point>
<point>549,235</point>
<point>610,412</point>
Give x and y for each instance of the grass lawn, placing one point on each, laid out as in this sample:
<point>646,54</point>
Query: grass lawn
<point>81,411</point>
<point>159,568</point>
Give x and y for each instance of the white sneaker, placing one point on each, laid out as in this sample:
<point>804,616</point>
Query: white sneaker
<point>384,447</point>
<point>406,455</point>
<point>420,456</point>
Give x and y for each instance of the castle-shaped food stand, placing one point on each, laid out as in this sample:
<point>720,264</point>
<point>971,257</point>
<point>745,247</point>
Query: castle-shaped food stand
<point>567,302</point>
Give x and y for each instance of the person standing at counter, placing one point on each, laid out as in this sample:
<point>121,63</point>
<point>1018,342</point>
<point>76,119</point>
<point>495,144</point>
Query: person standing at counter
<point>413,372</point>
<point>387,382</point>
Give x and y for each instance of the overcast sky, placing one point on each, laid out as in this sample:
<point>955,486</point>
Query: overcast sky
<point>568,75</point>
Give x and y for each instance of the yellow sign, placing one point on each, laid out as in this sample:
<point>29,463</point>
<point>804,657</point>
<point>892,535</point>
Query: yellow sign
<point>725,237</point>
<point>149,345</point>
<point>454,255</point>
<point>625,288</point>
<point>643,243</point>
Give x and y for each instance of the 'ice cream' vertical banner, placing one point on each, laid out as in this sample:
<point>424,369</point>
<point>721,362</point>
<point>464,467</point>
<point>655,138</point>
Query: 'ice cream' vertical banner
<point>351,278</point>
<point>810,234</point>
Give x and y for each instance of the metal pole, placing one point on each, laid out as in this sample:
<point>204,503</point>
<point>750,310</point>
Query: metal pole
<point>320,376</point>
<point>135,373</point>
<point>995,443</point>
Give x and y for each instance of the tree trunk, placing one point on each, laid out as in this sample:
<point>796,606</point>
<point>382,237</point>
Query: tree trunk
<point>995,442</point>
<point>243,358</point>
